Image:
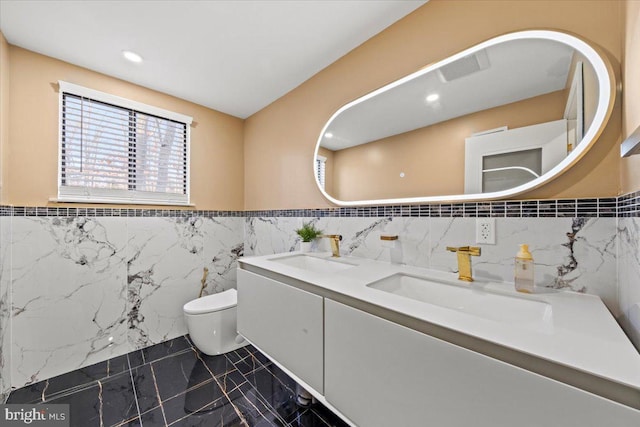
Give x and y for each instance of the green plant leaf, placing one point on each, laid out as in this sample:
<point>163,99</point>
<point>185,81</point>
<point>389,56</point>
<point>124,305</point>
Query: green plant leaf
<point>308,232</point>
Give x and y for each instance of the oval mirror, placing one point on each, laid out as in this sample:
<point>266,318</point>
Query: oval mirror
<point>493,121</point>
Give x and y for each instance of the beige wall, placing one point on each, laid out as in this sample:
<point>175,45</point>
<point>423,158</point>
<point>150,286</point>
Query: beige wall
<point>630,170</point>
<point>432,158</point>
<point>280,139</point>
<point>4,115</point>
<point>31,158</point>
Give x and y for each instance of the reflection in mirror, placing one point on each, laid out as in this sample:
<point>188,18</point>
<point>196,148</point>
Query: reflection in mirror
<point>499,172</point>
<point>495,120</point>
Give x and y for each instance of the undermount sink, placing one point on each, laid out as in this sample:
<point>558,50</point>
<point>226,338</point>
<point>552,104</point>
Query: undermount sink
<point>467,299</point>
<point>314,263</point>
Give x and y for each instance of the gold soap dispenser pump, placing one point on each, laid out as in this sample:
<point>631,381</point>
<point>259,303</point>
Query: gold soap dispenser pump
<point>524,270</point>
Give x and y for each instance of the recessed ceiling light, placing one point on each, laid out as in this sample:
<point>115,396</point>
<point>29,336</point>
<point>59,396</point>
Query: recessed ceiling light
<point>433,97</point>
<point>328,135</point>
<point>132,56</point>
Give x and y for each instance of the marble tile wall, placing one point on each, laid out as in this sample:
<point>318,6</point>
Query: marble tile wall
<point>5,306</point>
<point>85,289</point>
<point>629,277</point>
<point>77,290</point>
<point>569,253</point>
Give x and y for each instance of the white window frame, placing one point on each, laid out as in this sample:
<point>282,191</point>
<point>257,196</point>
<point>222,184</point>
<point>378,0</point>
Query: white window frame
<point>76,194</point>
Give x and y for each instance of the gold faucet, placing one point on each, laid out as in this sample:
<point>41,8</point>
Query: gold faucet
<point>335,243</point>
<point>464,260</point>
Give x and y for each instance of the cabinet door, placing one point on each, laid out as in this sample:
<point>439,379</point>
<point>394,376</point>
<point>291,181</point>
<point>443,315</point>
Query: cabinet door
<point>381,374</point>
<point>284,322</point>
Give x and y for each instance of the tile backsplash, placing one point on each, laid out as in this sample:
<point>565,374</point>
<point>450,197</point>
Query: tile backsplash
<point>629,277</point>
<point>81,285</point>
<point>577,254</point>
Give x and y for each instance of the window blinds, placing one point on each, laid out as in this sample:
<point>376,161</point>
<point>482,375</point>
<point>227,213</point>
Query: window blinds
<point>321,164</point>
<point>115,153</point>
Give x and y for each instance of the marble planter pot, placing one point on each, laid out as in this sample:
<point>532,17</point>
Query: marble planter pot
<point>305,246</point>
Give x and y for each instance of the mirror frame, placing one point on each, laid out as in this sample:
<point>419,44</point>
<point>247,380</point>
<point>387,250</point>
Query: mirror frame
<point>606,99</point>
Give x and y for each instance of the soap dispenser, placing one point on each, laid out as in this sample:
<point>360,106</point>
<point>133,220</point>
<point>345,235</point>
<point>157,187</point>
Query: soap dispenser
<point>524,270</point>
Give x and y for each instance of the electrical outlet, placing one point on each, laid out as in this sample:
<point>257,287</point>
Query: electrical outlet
<point>486,231</point>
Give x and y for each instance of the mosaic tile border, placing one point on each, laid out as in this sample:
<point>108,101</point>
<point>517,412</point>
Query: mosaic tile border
<point>113,212</point>
<point>604,207</point>
<point>627,205</point>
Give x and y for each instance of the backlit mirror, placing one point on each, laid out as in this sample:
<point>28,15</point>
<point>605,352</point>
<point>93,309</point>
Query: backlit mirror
<point>493,121</point>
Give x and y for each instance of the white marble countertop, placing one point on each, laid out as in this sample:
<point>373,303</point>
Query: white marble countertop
<point>581,333</point>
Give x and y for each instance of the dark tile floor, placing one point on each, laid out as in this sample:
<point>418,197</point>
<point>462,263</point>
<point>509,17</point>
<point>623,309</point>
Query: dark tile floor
<point>173,384</point>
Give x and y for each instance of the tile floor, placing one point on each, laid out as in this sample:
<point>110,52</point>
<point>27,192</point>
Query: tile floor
<point>173,384</point>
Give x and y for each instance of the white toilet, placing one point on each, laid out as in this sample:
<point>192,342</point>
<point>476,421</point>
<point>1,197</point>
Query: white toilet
<point>211,322</point>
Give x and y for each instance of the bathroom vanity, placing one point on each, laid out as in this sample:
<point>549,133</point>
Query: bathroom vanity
<point>393,345</point>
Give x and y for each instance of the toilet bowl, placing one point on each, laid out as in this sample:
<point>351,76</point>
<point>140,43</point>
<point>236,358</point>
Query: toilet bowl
<point>211,322</point>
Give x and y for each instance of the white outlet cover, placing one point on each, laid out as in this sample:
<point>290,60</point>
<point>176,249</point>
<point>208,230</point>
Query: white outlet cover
<point>486,231</point>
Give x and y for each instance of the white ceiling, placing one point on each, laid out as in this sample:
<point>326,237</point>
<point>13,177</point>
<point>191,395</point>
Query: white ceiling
<point>233,56</point>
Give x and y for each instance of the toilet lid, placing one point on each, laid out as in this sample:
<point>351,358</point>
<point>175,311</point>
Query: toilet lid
<point>211,303</point>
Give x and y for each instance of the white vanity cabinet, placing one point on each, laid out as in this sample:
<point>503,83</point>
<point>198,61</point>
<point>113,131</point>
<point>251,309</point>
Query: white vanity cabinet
<point>284,322</point>
<point>381,374</point>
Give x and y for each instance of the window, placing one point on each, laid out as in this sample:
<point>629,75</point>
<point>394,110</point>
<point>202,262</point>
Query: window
<point>113,150</point>
<point>321,165</point>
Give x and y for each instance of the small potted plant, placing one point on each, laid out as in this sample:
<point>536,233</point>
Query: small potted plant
<point>308,233</point>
